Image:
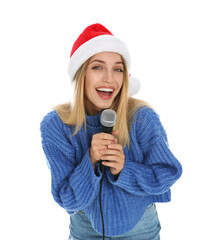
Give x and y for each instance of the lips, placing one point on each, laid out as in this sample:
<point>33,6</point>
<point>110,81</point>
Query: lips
<point>105,93</point>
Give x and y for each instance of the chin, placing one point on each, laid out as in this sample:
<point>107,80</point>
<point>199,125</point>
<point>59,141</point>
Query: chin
<point>105,106</point>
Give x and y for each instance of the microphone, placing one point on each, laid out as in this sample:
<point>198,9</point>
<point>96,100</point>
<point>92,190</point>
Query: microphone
<point>108,120</point>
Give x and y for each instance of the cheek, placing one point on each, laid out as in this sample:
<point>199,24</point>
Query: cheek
<point>119,83</point>
<point>87,81</point>
<point>89,88</point>
<point>90,79</point>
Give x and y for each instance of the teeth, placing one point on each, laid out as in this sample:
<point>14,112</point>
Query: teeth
<point>105,89</point>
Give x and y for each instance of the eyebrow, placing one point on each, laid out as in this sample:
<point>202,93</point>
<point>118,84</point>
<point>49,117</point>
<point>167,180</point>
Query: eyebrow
<point>97,60</point>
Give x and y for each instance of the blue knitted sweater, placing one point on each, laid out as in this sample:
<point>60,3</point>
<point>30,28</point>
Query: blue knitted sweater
<point>149,171</point>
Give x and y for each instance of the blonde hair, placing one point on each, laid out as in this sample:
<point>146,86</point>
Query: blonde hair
<point>124,106</point>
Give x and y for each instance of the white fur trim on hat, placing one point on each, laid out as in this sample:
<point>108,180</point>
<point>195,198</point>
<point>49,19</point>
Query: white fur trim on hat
<point>103,43</point>
<point>134,86</point>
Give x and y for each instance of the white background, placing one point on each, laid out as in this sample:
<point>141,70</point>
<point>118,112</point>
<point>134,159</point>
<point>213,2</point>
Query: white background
<point>173,54</point>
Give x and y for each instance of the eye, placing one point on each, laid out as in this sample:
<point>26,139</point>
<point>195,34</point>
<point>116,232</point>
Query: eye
<point>119,70</point>
<point>96,68</point>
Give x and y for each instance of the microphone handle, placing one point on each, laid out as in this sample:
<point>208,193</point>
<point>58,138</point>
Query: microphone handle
<point>105,130</point>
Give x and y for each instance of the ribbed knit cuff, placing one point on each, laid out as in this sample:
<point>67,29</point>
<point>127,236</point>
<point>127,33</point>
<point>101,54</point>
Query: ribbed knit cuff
<point>112,178</point>
<point>84,181</point>
<point>156,177</point>
<point>97,170</point>
<point>125,179</point>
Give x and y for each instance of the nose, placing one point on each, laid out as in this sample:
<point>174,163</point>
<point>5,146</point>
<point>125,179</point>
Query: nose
<point>108,76</point>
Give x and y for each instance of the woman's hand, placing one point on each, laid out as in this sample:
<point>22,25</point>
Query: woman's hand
<point>100,141</point>
<point>115,156</point>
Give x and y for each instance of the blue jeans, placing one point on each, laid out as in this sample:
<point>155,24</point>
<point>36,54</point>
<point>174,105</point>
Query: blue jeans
<point>148,228</point>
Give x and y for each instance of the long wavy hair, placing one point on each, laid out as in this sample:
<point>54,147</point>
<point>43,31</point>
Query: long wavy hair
<point>73,113</point>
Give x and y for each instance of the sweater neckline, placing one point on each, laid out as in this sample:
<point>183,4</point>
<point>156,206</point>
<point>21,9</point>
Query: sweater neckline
<point>93,121</point>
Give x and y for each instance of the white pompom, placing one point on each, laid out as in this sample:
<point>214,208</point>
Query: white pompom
<point>134,86</point>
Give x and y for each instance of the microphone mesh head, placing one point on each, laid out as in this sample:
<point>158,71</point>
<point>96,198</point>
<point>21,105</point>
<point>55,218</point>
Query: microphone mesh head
<point>108,118</point>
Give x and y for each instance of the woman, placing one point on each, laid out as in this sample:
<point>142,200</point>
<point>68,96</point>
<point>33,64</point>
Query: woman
<point>140,168</point>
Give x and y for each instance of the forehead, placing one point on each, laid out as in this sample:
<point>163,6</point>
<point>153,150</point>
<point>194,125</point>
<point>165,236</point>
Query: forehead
<point>107,57</point>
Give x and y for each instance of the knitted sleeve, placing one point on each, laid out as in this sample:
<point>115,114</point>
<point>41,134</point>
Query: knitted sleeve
<point>158,169</point>
<point>74,184</point>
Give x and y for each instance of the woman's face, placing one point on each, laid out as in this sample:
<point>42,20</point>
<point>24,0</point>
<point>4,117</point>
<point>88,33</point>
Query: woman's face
<point>103,81</point>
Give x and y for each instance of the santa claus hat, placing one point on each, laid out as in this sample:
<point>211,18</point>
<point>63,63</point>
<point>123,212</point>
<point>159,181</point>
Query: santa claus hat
<point>95,39</point>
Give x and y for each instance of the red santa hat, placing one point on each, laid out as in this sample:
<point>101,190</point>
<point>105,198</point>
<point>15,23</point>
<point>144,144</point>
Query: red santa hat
<point>95,39</point>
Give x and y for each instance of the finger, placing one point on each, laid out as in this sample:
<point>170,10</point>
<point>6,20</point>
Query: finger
<point>106,136</point>
<point>110,164</point>
<point>110,152</point>
<point>115,146</point>
<point>113,158</point>
<point>102,136</point>
<point>115,133</point>
<point>105,143</point>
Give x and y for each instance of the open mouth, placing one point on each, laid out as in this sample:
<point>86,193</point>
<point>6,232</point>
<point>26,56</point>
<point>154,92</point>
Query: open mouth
<point>105,93</point>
